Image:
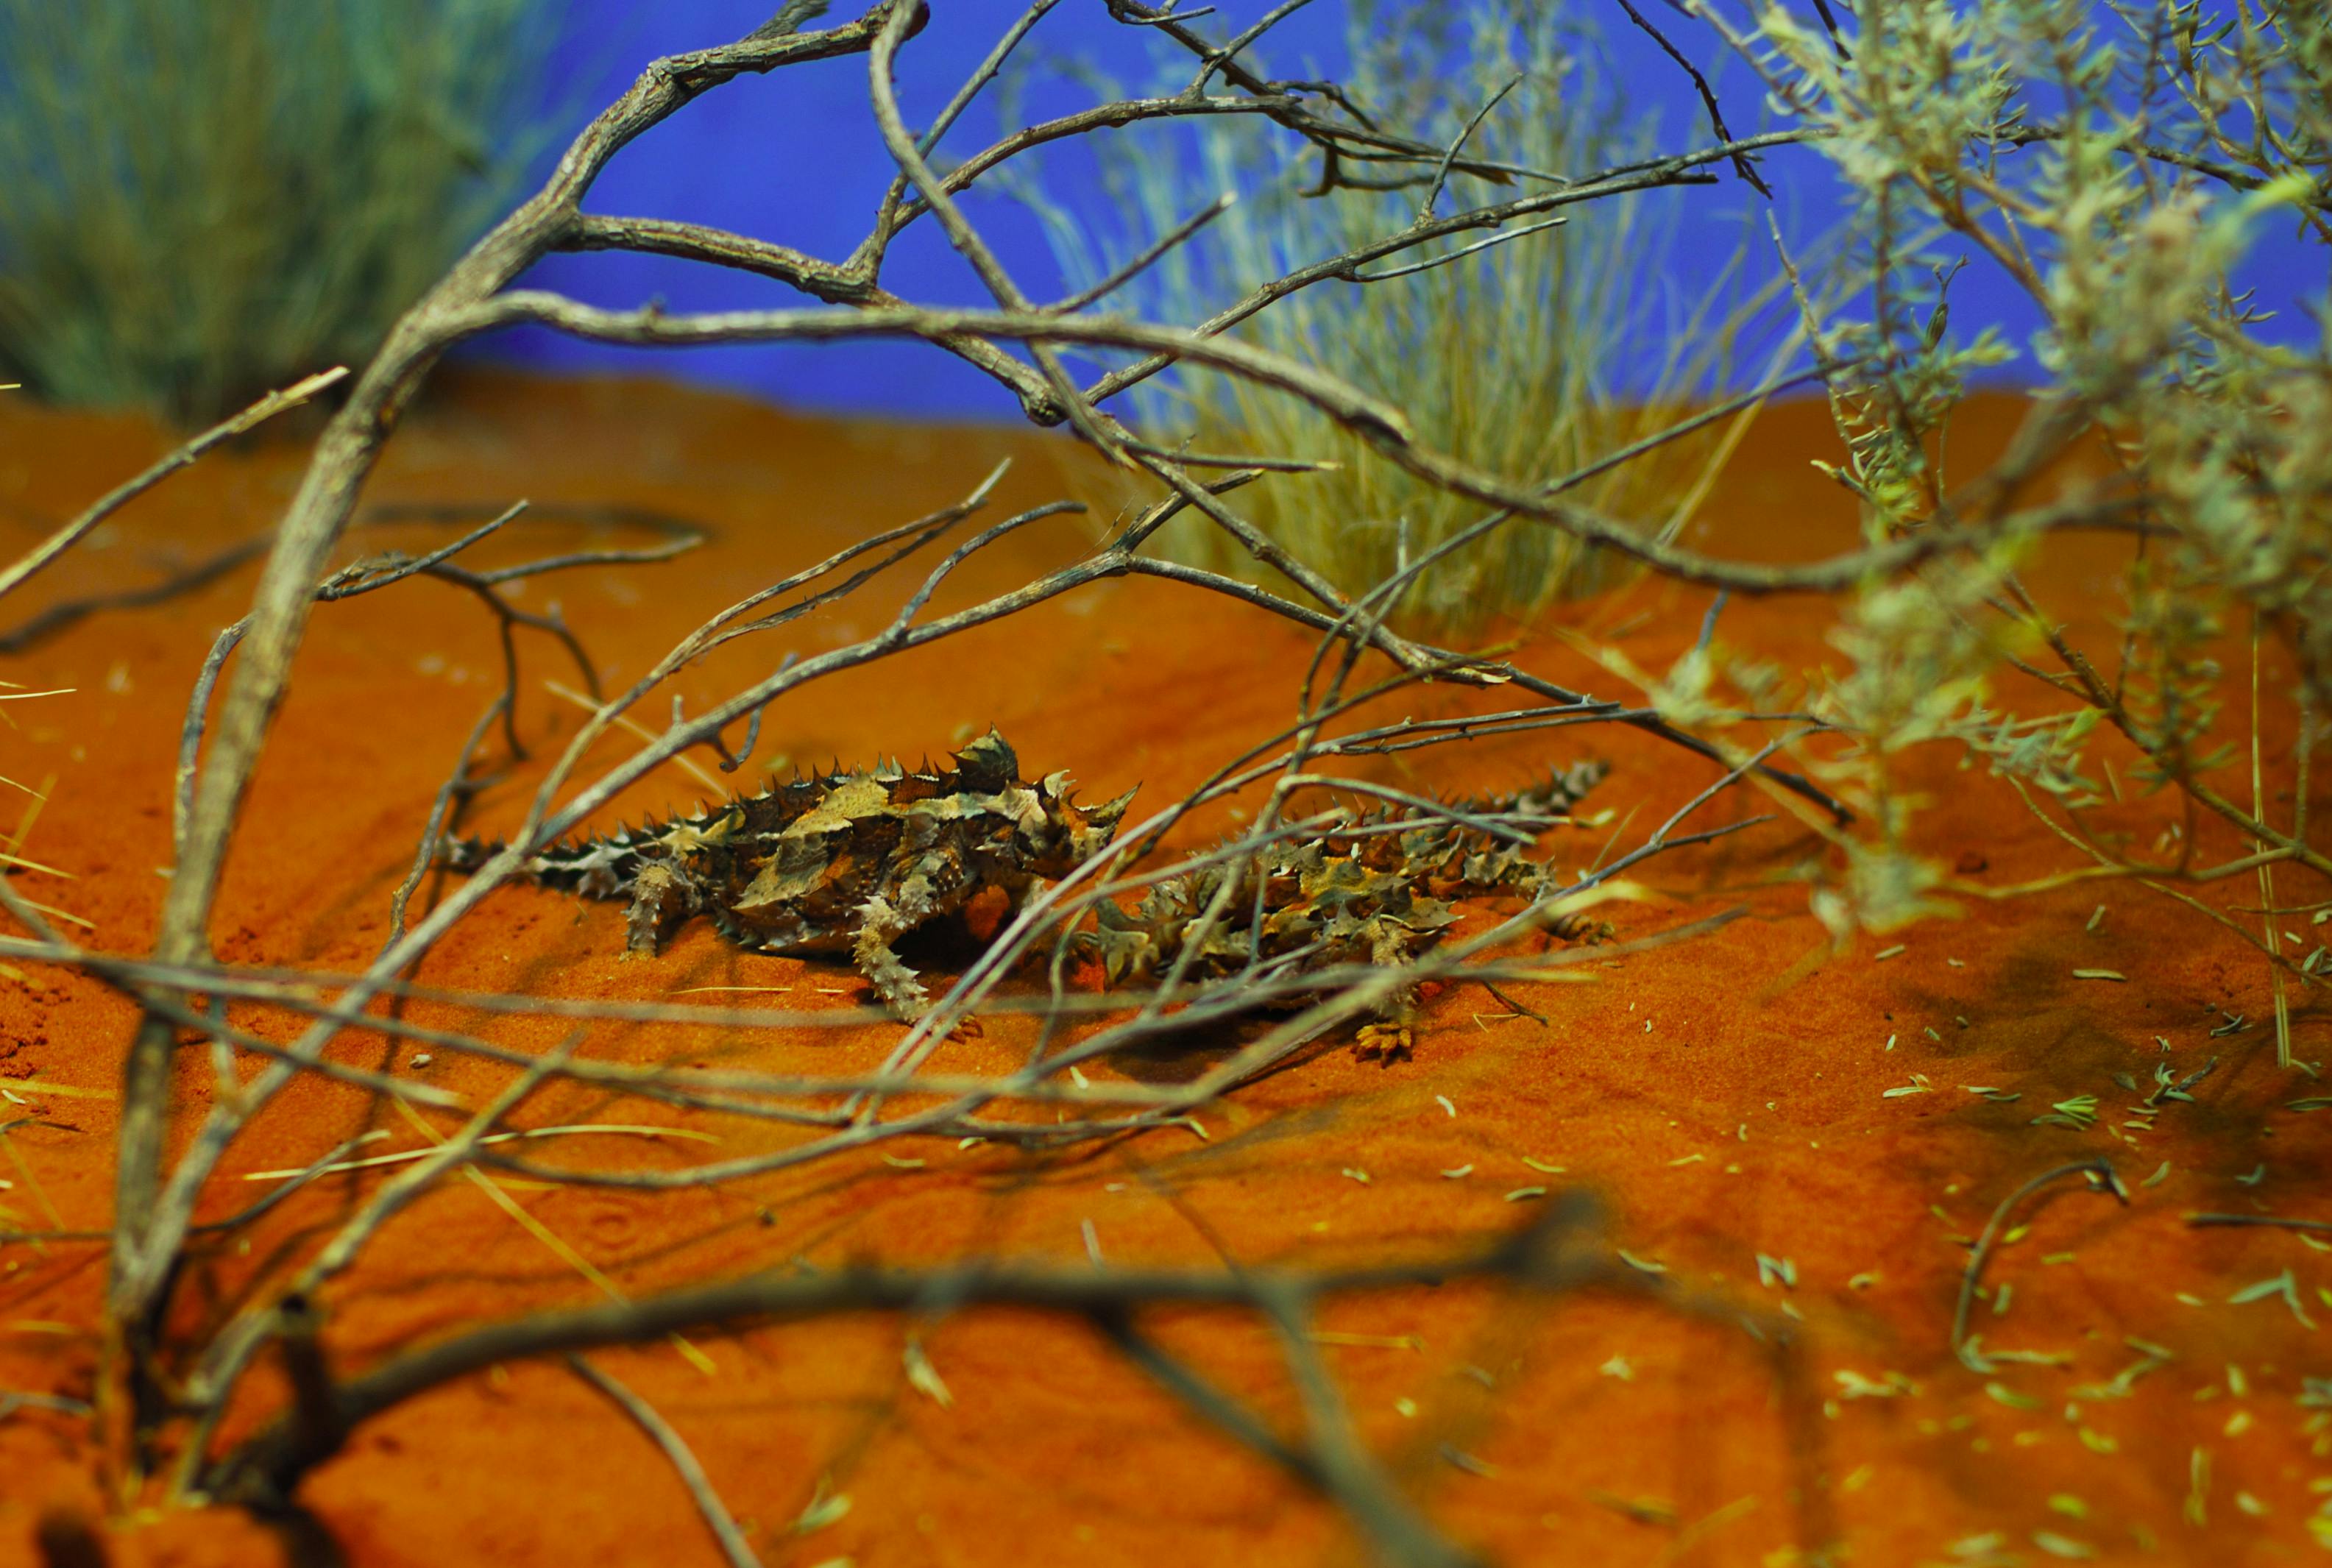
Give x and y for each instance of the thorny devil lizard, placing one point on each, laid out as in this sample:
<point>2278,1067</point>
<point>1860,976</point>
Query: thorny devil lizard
<point>839,861</point>
<point>855,860</point>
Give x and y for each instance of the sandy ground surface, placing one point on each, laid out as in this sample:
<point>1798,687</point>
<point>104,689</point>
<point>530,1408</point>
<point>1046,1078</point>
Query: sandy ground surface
<point>1726,1097</point>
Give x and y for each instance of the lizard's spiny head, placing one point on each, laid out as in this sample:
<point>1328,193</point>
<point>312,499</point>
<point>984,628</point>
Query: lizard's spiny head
<point>1069,834</point>
<point>988,765</point>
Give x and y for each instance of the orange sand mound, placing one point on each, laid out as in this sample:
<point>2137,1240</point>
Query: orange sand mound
<point>1727,1097</point>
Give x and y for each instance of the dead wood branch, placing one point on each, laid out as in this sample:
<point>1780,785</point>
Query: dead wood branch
<point>140,1394</point>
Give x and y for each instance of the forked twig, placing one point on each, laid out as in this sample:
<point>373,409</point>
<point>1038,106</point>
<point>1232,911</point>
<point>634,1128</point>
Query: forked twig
<point>2101,1178</point>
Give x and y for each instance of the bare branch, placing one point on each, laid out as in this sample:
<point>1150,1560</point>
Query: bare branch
<point>13,576</point>
<point>676,1452</point>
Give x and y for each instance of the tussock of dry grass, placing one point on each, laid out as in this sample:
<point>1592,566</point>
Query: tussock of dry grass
<point>1536,356</point>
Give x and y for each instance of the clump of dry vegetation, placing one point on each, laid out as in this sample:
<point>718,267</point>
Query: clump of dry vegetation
<point>1534,348</point>
<point>2111,160</point>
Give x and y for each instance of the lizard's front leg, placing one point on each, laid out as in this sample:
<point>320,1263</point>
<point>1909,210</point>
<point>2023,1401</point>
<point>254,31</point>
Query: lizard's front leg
<point>880,923</point>
<point>662,897</point>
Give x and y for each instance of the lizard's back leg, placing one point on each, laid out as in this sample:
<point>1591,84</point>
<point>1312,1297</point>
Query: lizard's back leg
<point>1388,1039</point>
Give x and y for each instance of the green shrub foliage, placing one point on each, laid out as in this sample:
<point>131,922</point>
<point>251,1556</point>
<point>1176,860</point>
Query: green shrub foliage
<point>203,201</point>
<point>2114,163</point>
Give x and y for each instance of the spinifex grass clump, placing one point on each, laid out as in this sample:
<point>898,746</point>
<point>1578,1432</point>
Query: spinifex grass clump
<point>206,201</point>
<point>1537,354</point>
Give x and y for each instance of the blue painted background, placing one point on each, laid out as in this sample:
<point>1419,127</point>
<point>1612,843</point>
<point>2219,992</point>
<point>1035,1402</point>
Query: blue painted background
<point>794,157</point>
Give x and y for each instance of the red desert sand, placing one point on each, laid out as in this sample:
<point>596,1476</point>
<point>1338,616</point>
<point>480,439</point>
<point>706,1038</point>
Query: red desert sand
<point>1790,1132</point>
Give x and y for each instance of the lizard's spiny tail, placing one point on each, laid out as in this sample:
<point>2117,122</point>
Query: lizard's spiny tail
<point>467,854</point>
<point>597,868</point>
<point>1552,798</point>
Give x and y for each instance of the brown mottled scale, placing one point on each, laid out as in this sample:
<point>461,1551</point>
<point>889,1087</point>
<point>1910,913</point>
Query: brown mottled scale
<point>841,861</point>
<point>1351,896</point>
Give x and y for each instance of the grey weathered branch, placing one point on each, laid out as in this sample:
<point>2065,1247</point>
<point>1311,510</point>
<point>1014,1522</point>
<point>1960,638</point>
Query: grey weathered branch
<point>157,1214</point>
<point>318,513</point>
